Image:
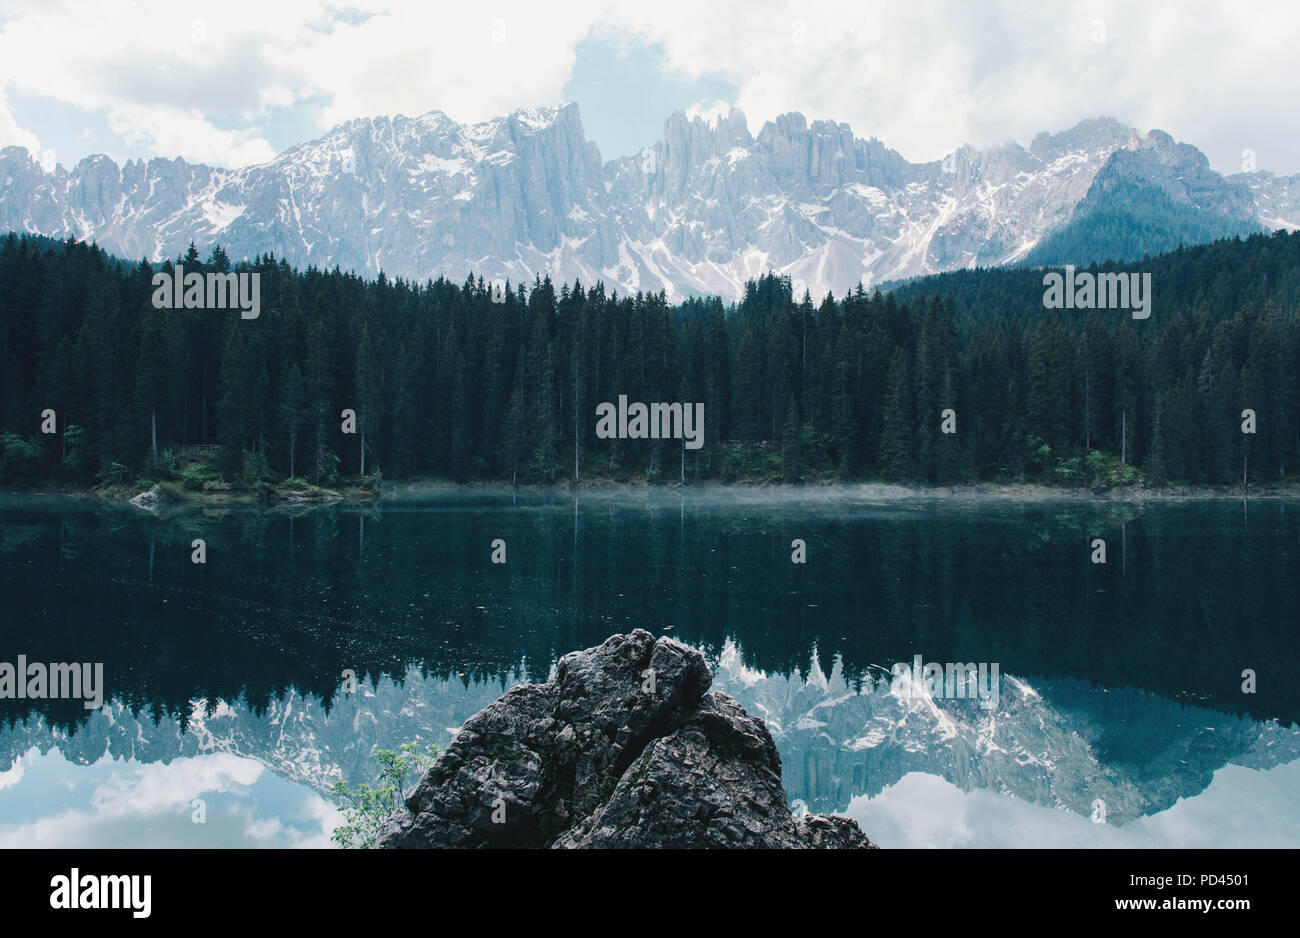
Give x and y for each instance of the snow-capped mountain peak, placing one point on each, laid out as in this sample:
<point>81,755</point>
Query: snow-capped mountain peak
<point>701,210</point>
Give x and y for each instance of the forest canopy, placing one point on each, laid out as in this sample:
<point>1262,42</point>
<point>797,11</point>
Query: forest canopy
<point>455,380</point>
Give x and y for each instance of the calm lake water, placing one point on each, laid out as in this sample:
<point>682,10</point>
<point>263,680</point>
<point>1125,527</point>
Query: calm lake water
<point>1120,718</point>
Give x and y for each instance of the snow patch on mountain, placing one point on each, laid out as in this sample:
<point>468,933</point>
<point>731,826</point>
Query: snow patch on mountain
<point>707,207</point>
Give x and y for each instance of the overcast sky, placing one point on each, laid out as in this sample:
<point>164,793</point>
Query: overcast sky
<point>237,82</point>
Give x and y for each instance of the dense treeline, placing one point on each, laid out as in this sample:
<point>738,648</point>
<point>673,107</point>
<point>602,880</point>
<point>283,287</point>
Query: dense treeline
<point>452,380</point>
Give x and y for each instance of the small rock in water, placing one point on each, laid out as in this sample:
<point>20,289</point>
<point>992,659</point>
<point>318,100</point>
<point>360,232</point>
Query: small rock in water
<point>151,499</point>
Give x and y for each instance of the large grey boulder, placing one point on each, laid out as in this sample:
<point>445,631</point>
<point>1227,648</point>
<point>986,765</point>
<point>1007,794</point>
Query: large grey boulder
<point>624,748</point>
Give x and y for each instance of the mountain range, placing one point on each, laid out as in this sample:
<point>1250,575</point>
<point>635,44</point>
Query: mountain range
<point>707,207</point>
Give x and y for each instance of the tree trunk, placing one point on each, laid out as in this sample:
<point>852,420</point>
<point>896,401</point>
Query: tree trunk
<point>1087,405</point>
<point>577,378</point>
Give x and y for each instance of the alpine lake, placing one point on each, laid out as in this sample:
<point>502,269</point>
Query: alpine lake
<point>1147,700</point>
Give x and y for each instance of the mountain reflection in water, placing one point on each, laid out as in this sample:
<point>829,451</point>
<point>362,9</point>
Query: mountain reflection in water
<point>1121,685</point>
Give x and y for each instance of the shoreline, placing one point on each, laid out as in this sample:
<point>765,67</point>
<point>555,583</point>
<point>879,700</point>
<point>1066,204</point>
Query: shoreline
<point>399,491</point>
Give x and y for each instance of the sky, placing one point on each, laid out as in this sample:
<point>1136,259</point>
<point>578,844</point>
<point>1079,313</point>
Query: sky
<point>239,82</point>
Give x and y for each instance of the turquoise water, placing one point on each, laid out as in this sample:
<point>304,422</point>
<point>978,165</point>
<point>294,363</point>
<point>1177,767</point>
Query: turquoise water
<point>1120,717</point>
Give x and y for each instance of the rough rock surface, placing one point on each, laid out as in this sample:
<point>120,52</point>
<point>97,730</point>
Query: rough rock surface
<point>594,758</point>
<point>152,498</point>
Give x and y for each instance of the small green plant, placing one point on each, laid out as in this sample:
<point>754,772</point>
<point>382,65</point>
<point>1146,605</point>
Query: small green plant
<point>168,463</point>
<point>115,474</point>
<point>1106,470</point>
<point>74,458</point>
<point>370,482</point>
<point>173,492</point>
<point>253,471</point>
<point>1039,452</point>
<point>327,468</point>
<point>1069,471</point>
<point>367,806</point>
<point>196,475</point>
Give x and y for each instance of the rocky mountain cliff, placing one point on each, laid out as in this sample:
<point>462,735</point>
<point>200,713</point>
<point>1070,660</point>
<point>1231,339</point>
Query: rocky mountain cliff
<point>702,210</point>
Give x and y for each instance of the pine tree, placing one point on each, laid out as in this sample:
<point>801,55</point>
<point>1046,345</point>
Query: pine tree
<point>897,447</point>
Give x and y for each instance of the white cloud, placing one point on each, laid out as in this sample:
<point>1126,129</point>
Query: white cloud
<point>152,788</point>
<point>922,77</point>
<point>132,804</point>
<point>1241,807</point>
<point>14,774</point>
<point>709,111</point>
<point>13,135</point>
<point>927,78</point>
<point>169,132</point>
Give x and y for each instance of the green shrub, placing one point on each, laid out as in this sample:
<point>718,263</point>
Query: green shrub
<point>1039,452</point>
<point>368,807</point>
<point>196,475</point>
<point>1069,471</point>
<point>115,474</point>
<point>168,463</point>
<point>75,463</point>
<point>1104,469</point>
<point>21,458</point>
<point>172,491</point>
<point>253,471</point>
<point>328,469</point>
